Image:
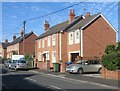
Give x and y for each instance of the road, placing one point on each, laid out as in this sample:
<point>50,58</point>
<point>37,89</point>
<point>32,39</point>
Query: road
<point>35,81</point>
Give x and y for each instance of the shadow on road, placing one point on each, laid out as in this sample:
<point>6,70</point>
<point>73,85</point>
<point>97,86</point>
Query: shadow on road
<point>19,82</point>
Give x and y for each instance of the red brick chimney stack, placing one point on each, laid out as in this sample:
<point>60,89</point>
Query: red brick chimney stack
<point>46,25</point>
<point>6,41</point>
<point>87,13</point>
<point>14,37</point>
<point>71,15</point>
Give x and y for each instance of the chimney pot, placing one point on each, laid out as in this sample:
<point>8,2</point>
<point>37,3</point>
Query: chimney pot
<point>87,13</point>
<point>71,15</point>
<point>46,25</point>
<point>6,41</point>
<point>14,37</point>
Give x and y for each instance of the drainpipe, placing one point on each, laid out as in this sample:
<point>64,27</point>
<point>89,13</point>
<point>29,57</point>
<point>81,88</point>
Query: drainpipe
<point>81,44</point>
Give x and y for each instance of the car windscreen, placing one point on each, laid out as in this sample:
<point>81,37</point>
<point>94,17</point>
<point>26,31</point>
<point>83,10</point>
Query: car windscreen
<point>21,61</point>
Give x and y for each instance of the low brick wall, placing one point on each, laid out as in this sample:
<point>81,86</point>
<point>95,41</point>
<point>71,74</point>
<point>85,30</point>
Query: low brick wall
<point>110,74</point>
<point>42,65</point>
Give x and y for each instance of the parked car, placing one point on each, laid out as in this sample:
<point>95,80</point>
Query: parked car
<point>84,66</point>
<point>8,63</point>
<point>19,64</point>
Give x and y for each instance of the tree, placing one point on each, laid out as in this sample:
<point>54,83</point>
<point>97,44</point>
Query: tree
<point>28,57</point>
<point>110,49</point>
<point>111,60</point>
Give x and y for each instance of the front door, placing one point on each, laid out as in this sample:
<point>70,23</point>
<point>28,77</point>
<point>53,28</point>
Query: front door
<point>74,56</point>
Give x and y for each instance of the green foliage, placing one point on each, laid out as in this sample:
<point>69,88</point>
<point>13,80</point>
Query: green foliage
<point>28,57</point>
<point>2,60</point>
<point>110,49</point>
<point>111,60</point>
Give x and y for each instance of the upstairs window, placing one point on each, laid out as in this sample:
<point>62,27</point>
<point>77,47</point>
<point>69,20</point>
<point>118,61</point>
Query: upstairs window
<point>53,39</point>
<point>70,38</point>
<point>48,40</point>
<point>39,43</point>
<point>77,37</point>
<point>43,43</point>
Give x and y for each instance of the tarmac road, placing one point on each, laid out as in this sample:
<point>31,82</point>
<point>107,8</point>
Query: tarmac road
<point>15,80</point>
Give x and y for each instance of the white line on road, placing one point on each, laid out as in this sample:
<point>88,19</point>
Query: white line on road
<point>30,79</point>
<point>12,72</point>
<point>80,81</point>
<point>54,87</point>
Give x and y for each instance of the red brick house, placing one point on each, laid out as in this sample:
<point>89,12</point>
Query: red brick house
<point>83,36</point>
<point>22,44</point>
<point>3,49</point>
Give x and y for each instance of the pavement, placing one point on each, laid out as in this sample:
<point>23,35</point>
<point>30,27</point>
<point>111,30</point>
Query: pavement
<point>92,79</point>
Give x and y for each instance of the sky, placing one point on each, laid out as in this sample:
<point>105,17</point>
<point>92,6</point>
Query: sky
<point>14,13</point>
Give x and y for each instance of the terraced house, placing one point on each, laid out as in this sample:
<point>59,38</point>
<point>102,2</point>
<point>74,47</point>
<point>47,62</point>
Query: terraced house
<point>3,49</point>
<point>22,44</point>
<point>81,37</point>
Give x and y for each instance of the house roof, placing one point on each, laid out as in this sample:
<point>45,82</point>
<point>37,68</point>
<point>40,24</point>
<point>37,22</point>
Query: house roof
<point>83,23</point>
<point>20,39</point>
<point>77,23</point>
<point>60,27</point>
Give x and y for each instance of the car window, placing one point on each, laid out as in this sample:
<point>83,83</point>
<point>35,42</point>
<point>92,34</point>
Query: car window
<point>23,62</point>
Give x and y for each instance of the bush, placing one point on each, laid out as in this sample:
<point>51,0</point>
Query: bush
<point>111,60</point>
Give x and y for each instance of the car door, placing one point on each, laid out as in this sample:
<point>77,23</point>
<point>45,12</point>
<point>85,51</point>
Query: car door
<point>88,66</point>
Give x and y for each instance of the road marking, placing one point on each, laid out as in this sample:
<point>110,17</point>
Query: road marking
<point>80,81</point>
<point>93,75</point>
<point>30,79</point>
<point>12,72</point>
<point>54,87</point>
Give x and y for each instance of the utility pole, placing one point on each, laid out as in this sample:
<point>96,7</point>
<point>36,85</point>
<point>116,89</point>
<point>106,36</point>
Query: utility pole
<point>24,23</point>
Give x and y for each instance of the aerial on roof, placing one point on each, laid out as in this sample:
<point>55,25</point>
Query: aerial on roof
<point>79,22</point>
<point>20,39</point>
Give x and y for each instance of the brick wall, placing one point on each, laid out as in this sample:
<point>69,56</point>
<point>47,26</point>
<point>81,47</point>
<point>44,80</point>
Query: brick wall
<point>96,37</point>
<point>107,74</point>
<point>49,49</point>
<point>29,45</point>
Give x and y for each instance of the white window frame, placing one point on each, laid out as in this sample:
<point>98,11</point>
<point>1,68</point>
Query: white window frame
<point>39,56</point>
<point>77,38</point>
<point>53,57</point>
<point>47,56</point>
<point>70,38</point>
<point>43,43</point>
<point>39,43</point>
<point>48,39</point>
<point>53,39</point>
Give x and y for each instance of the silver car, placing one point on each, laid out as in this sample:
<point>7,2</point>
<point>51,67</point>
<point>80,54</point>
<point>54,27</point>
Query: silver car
<point>8,63</point>
<point>84,66</point>
<point>19,64</point>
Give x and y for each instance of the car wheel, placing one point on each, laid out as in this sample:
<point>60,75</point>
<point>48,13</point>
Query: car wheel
<point>80,71</point>
<point>15,69</point>
<point>100,71</point>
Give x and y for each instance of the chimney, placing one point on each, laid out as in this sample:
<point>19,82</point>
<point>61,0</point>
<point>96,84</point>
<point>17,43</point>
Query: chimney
<point>22,32</point>
<point>87,13</point>
<point>46,25</point>
<point>6,41</point>
<point>71,15</point>
<point>14,37</point>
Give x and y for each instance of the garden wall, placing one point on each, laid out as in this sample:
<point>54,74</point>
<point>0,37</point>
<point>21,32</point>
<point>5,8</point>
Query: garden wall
<point>115,75</point>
